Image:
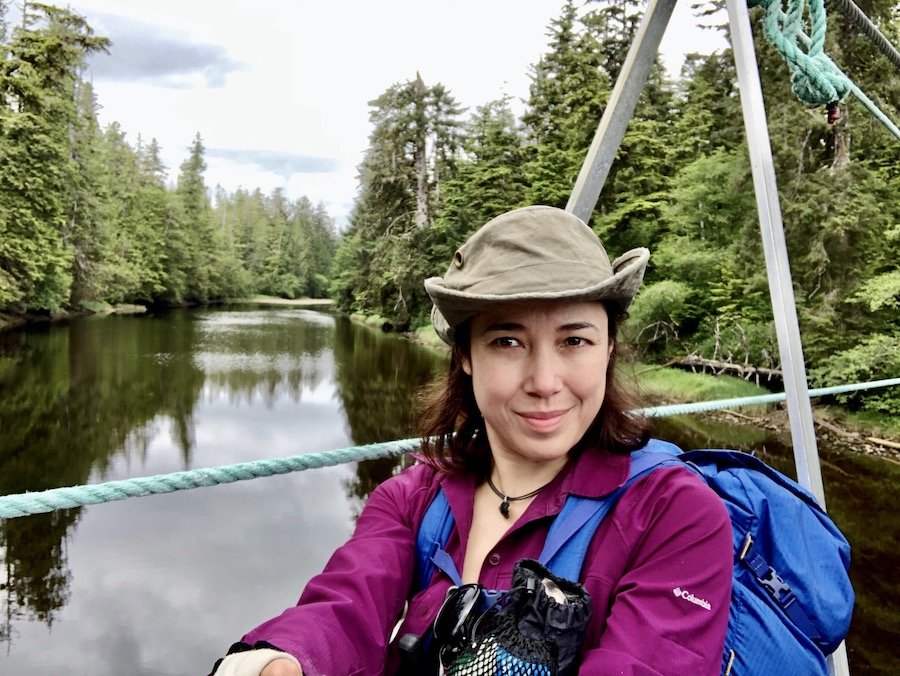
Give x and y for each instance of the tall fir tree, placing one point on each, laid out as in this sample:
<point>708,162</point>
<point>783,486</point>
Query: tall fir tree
<point>38,76</point>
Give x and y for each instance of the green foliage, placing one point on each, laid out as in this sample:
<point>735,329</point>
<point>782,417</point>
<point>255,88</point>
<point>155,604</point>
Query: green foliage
<point>38,76</point>
<point>658,312</point>
<point>881,291</point>
<point>86,219</point>
<point>684,386</point>
<point>874,358</point>
<point>409,167</point>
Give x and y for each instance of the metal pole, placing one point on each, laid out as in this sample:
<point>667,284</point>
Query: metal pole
<point>806,456</point>
<point>620,109</point>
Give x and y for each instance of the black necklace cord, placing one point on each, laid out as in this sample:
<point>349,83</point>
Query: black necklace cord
<point>506,499</point>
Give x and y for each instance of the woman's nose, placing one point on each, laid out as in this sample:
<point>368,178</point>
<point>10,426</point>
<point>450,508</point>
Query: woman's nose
<point>544,377</point>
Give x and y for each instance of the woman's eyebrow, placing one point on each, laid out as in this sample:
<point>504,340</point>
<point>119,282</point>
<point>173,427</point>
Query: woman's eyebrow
<point>504,326</point>
<point>515,326</point>
<point>577,326</point>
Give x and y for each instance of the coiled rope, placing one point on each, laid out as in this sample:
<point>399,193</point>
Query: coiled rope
<point>38,502</point>
<point>815,79</point>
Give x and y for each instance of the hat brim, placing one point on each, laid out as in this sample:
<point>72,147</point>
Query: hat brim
<point>453,307</point>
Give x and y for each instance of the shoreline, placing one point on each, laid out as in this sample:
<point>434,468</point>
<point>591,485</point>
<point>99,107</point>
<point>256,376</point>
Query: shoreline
<point>9,321</point>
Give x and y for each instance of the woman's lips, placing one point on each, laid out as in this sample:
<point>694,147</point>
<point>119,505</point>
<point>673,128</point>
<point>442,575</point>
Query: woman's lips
<point>543,420</point>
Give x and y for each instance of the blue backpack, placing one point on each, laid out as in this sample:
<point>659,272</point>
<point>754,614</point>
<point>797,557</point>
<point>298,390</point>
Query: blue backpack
<point>791,598</point>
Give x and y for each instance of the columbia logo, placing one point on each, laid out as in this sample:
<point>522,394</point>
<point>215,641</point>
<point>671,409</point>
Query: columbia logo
<point>687,596</point>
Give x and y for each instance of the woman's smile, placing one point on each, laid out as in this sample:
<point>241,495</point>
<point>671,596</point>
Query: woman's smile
<point>543,421</point>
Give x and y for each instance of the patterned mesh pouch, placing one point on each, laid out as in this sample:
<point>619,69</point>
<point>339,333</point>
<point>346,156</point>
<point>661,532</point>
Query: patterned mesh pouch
<point>535,629</point>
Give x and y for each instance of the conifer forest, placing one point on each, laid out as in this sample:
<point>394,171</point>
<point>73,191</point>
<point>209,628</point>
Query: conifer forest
<point>88,218</point>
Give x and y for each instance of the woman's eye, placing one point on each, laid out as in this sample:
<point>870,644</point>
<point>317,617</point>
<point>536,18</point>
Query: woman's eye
<point>575,341</point>
<point>505,341</point>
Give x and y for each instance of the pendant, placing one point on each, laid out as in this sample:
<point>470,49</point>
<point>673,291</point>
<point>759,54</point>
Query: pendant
<point>504,508</point>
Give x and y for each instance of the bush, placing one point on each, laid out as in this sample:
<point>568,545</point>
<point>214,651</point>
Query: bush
<point>657,314</point>
<point>876,358</point>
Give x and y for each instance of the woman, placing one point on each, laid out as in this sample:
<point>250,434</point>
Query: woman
<point>531,413</point>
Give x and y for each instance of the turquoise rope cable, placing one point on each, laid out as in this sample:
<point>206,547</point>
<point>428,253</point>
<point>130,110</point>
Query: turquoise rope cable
<point>721,404</point>
<point>861,96</point>
<point>815,78</point>
<point>38,502</point>
<point>875,110</point>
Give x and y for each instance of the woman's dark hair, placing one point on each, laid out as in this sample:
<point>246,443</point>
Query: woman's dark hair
<point>454,437</point>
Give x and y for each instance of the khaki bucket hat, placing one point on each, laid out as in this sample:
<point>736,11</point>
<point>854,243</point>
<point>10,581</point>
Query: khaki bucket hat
<point>535,253</point>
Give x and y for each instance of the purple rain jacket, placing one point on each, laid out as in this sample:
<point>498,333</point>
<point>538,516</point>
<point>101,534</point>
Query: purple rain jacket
<point>658,571</point>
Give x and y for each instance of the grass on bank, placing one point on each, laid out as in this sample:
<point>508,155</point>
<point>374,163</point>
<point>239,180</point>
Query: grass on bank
<point>676,385</point>
<point>275,300</point>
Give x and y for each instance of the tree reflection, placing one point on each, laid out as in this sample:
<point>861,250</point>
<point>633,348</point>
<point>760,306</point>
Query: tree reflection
<point>37,575</point>
<point>74,397</point>
<point>265,355</point>
<point>378,378</point>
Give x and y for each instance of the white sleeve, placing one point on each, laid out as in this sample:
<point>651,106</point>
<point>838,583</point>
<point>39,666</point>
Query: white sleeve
<point>251,662</point>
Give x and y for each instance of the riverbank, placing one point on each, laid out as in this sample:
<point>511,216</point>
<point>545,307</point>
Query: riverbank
<point>11,321</point>
<point>290,302</point>
<point>856,432</point>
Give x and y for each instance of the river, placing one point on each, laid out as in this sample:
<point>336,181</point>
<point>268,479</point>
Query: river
<point>164,584</point>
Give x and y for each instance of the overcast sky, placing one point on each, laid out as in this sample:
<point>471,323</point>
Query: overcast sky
<point>279,90</point>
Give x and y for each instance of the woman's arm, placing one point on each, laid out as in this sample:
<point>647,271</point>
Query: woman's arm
<point>343,620</point>
<point>669,608</point>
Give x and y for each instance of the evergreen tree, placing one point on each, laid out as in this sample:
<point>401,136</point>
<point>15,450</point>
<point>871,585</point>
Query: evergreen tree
<point>489,179</point>
<point>38,76</point>
<point>88,230</point>
<point>568,92</point>
<point>414,126</point>
<point>199,257</point>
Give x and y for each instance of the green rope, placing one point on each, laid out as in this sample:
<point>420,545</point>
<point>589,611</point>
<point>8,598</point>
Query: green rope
<point>24,504</point>
<point>874,110</point>
<point>864,25</point>
<point>38,502</point>
<point>800,77</point>
<point>815,79</point>
<point>721,404</point>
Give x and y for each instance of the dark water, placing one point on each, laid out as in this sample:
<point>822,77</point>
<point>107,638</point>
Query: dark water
<point>162,585</point>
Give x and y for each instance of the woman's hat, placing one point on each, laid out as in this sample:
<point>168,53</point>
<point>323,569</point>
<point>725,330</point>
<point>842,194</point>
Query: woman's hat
<point>535,253</point>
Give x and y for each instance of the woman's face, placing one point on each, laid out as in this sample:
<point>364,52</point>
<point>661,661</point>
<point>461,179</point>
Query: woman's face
<point>539,375</point>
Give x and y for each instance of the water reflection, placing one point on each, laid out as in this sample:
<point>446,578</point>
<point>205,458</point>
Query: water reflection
<point>378,378</point>
<point>265,356</point>
<point>71,399</point>
<point>109,398</point>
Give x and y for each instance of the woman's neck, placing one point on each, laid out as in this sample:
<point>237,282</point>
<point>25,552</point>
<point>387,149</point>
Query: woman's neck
<point>515,476</point>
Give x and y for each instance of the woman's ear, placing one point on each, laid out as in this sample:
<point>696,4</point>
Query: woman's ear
<point>466,364</point>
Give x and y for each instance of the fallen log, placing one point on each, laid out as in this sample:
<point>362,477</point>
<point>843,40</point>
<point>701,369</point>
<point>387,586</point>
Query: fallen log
<point>745,371</point>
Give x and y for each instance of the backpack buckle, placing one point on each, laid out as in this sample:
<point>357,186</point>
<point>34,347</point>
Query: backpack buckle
<point>776,587</point>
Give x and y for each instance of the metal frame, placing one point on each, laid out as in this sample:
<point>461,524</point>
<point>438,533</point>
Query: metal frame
<point>595,170</point>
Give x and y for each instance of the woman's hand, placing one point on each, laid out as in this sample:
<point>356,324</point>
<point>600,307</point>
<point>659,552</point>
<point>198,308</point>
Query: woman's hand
<point>281,667</point>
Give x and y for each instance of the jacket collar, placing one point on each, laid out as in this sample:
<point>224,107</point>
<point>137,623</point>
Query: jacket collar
<point>592,474</point>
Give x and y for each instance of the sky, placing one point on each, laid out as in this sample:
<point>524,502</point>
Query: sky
<point>279,90</point>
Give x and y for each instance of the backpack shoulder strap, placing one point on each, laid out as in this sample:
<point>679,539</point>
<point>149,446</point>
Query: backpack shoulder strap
<point>570,534</point>
<point>434,531</point>
<point>573,529</point>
